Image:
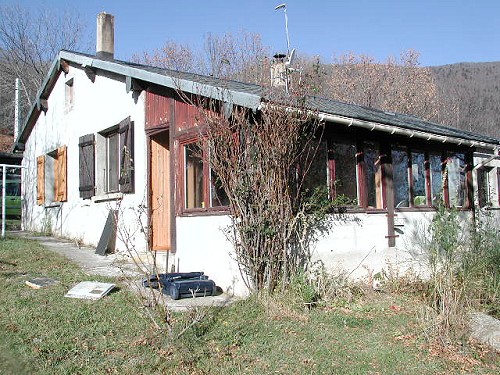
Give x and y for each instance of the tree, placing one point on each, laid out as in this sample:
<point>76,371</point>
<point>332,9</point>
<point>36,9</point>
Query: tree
<point>29,40</point>
<point>394,85</point>
<point>240,57</point>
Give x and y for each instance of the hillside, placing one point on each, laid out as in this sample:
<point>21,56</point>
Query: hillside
<point>473,88</point>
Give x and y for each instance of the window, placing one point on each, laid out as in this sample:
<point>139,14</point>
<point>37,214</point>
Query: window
<point>410,177</point>
<point>420,178</point>
<point>51,176</point>
<point>484,187</point>
<point>372,168</point>
<point>456,179</point>
<point>202,187</point>
<point>342,170</point>
<point>106,161</point>
<point>112,168</point>
<point>313,172</point>
<point>437,181</point>
<point>217,193</point>
<point>193,177</point>
<point>419,183</point>
<point>400,177</point>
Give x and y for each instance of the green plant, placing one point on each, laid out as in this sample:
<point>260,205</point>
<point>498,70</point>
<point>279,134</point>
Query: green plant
<point>463,262</point>
<point>481,266</point>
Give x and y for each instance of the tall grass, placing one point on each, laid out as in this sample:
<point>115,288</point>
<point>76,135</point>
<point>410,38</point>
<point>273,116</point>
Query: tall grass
<point>464,270</point>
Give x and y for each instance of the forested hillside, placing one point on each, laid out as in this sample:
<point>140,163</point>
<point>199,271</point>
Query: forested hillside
<point>472,90</point>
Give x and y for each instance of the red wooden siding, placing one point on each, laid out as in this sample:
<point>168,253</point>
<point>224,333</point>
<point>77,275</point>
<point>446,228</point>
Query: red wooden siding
<point>158,110</point>
<point>186,115</point>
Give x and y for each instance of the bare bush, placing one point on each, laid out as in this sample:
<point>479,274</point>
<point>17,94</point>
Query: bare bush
<point>261,160</point>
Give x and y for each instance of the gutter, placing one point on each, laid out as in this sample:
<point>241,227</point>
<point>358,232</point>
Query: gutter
<point>349,121</point>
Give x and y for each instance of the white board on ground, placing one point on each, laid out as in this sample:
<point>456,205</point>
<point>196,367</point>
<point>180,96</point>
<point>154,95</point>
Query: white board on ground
<point>89,290</point>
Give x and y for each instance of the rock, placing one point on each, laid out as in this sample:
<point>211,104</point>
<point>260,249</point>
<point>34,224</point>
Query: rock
<point>485,329</point>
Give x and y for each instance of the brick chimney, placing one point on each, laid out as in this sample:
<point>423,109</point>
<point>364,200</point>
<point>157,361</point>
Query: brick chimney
<point>105,46</point>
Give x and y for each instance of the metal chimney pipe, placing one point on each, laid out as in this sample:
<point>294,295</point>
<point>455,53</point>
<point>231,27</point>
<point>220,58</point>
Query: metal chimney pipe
<point>105,46</point>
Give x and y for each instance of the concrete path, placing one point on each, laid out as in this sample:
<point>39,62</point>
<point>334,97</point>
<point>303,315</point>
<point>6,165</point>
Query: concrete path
<point>111,265</point>
<point>118,265</point>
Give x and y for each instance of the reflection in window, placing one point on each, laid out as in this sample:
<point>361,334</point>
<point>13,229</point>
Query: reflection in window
<point>455,169</point>
<point>436,179</point>
<point>218,196</point>
<point>418,179</point>
<point>483,186</point>
<point>400,177</point>
<point>193,177</point>
<point>112,161</point>
<point>373,174</point>
<point>343,170</point>
<point>316,173</point>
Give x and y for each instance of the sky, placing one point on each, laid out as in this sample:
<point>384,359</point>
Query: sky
<point>442,31</point>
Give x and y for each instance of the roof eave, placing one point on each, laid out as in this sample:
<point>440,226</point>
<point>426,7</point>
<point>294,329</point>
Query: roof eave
<point>218,93</point>
<point>36,108</point>
<point>428,136</point>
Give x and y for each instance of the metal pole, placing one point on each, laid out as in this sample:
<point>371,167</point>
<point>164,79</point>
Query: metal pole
<point>16,110</point>
<point>287,37</point>
<point>4,172</point>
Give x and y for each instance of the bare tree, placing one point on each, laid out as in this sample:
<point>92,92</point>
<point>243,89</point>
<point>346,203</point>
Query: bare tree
<point>240,57</point>
<point>397,85</point>
<point>29,40</point>
<point>171,56</point>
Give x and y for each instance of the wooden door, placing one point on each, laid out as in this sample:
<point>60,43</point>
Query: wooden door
<point>160,191</point>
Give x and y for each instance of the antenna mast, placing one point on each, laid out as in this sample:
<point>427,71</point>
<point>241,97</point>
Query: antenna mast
<point>283,6</point>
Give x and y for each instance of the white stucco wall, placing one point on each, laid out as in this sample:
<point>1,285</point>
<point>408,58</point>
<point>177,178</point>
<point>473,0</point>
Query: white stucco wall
<point>97,106</point>
<point>202,246</point>
<point>356,245</point>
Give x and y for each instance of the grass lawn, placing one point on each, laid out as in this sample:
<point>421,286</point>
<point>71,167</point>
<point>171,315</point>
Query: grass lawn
<point>41,332</point>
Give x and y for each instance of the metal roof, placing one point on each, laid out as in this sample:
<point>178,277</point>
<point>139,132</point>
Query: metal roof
<point>404,121</point>
<point>242,94</point>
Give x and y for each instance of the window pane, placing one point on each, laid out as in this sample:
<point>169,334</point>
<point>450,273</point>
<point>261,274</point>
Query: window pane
<point>316,173</point>
<point>373,171</point>
<point>483,190</point>
<point>400,177</point>
<point>194,177</point>
<point>113,160</point>
<point>418,179</point>
<point>455,167</point>
<point>218,195</point>
<point>343,156</point>
<point>436,179</point>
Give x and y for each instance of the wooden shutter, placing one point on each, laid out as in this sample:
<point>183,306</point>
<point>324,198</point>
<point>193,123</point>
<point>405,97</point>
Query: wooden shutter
<point>40,179</point>
<point>126,130</point>
<point>60,175</point>
<point>87,166</point>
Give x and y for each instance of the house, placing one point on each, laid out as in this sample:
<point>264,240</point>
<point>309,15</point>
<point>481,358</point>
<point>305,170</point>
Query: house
<point>107,136</point>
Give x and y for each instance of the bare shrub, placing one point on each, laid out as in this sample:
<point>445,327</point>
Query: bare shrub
<point>261,161</point>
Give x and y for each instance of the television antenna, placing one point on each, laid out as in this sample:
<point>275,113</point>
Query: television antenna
<point>283,6</point>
